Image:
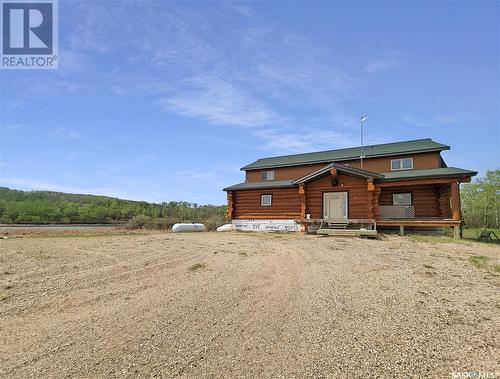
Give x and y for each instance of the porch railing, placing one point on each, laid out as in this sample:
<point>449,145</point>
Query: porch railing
<point>397,211</point>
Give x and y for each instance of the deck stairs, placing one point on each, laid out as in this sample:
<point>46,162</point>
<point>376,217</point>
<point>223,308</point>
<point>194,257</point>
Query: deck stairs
<point>338,225</point>
<point>344,228</point>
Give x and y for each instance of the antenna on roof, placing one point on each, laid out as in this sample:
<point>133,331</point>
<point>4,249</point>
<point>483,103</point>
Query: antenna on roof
<point>362,119</point>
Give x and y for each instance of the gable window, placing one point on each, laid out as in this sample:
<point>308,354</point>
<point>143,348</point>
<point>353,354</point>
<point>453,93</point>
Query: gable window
<point>266,200</point>
<point>401,164</point>
<point>401,198</point>
<point>267,175</point>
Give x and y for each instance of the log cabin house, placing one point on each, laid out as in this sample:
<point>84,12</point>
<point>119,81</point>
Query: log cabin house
<point>393,185</point>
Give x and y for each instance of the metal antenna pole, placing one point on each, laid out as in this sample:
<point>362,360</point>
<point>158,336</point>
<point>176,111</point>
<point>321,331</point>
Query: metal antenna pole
<point>361,127</point>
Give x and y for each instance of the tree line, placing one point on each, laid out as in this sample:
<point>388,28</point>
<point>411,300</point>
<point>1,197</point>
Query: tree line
<point>481,201</point>
<point>47,207</point>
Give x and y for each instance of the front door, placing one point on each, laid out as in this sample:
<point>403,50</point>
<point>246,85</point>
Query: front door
<point>335,205</point>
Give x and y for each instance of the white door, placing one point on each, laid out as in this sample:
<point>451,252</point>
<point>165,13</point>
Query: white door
<point>335,205</point>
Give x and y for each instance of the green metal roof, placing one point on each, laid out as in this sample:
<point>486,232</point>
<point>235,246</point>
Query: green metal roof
<point>443,172</point>
<point>261,185</point>
<point>342,168</point>
<point>370,151</point>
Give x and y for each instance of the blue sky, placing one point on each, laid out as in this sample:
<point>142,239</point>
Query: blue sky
<point>164,101</point>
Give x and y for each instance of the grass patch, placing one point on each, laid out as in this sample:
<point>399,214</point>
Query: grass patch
<point>479,260</point>
<point>90,235</point>
<point>426,265</point>
<point>196,266</point>
<point>473,233</point>
<point>469,235</point>
<point>497,268</point>
<point>435,239</point>
<point>3,296</point>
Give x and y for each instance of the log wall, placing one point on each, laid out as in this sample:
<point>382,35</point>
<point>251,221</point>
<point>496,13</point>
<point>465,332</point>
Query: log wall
<point>428,200</point>
<point>286,204</point>
<point>359,205</point>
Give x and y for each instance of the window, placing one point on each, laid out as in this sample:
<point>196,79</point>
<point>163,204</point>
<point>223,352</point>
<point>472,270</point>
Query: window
<point>401,164</point>
<point>401,198</point>
<point>266,200</point>
<point>267,175</point>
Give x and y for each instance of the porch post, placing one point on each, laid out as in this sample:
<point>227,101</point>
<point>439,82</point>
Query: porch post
<point>370,187</point>
<point>455,201</point>
<point>302,193</point>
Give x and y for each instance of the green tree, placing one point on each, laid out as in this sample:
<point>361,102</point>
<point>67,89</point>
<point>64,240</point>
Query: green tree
<point>481,201</point>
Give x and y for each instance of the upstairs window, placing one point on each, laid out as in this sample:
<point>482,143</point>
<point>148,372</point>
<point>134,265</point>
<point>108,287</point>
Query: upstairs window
<point>267,175</point>
<point>402,164</point>
<point>401,198</point>
<point>266,200</point>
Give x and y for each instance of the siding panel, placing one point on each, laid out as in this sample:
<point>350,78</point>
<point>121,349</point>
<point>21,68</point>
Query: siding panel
<point>285,173</point>
<point>420,161</point>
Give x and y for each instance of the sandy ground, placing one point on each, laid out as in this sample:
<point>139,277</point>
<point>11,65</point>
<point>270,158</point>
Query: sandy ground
<point>246,305</point>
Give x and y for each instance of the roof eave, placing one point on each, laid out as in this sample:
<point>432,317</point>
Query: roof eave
<point>353,171</point>
<point>235,187</point>
<point>437,176</point>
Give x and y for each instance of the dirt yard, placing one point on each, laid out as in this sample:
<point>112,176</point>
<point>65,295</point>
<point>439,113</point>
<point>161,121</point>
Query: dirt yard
<point>247,305</point>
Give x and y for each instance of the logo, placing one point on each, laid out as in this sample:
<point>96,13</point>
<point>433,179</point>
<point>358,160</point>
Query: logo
<point>474,374</point>
<point>29,34</point>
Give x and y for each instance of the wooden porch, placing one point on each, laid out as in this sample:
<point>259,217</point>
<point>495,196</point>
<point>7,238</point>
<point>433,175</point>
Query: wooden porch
<point>440,197</point>
<point>403,223</point>
<point>368,227</point>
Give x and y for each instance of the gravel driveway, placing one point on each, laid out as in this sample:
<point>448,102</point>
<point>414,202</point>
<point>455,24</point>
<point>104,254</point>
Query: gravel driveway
<point>246,305</point>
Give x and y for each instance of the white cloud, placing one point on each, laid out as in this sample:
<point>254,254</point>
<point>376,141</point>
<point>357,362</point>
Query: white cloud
<point>198,176</point>
<point>301,141</point>
<point>12,126</point>
<point>218,102</point>
<point>387,61</point>
<point>439,120</point>
<point>416,121</point>
<point>40,185</point>
<point>72,62</point>
<point>66,133</point>
<point>144,192</point>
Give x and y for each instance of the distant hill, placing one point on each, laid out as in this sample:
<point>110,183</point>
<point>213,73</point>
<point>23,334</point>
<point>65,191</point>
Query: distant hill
<point>44,207</point>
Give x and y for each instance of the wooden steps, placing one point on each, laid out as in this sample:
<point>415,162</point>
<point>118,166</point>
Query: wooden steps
<point>338,225</point>
<point>347,232</point>
<point>344,228</point>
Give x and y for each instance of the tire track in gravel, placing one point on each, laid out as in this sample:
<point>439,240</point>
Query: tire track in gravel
<point>91,277</point>
<point>232,336</point>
